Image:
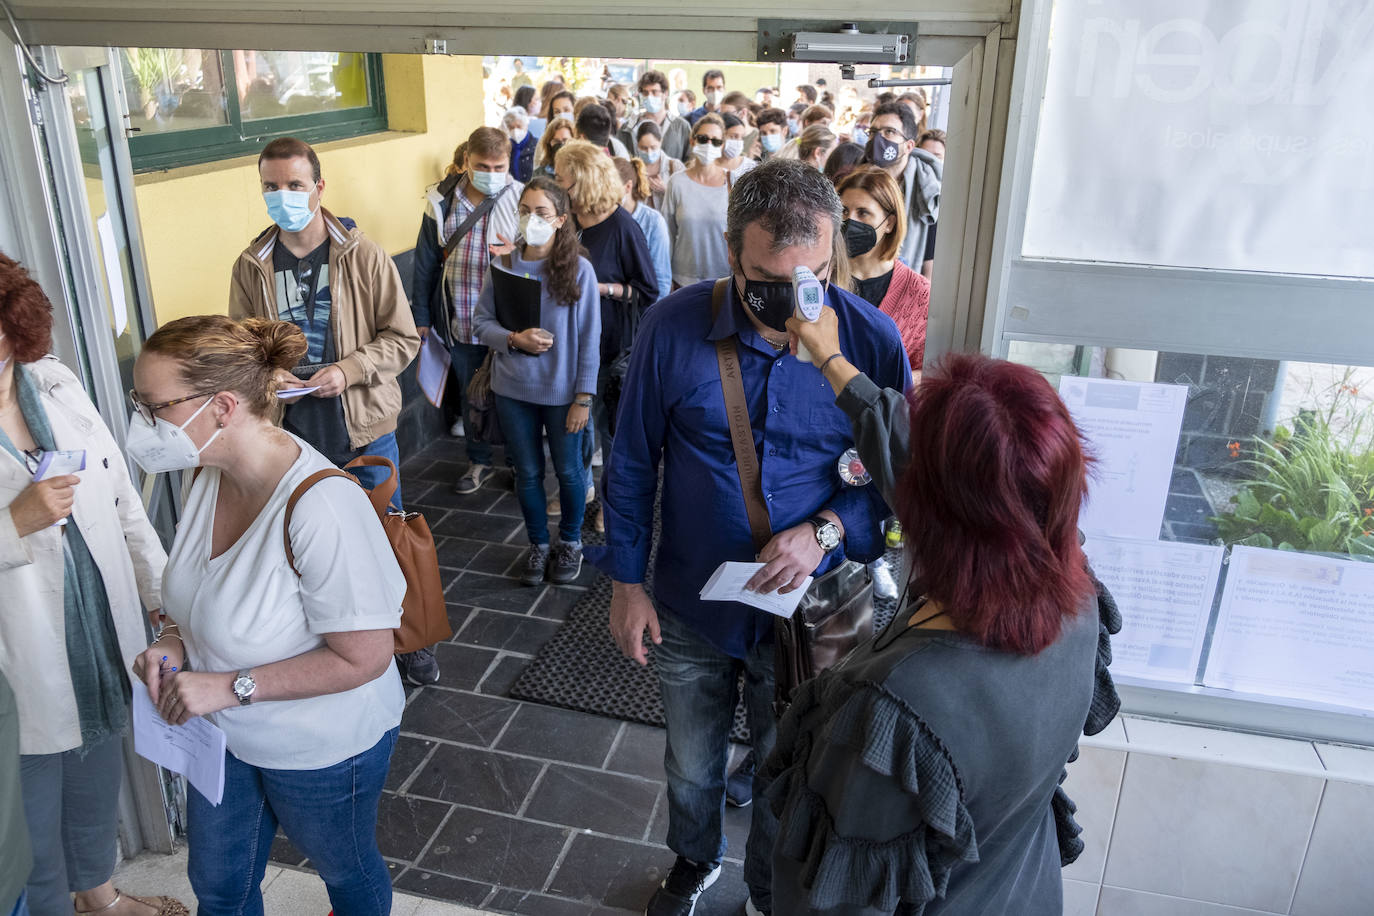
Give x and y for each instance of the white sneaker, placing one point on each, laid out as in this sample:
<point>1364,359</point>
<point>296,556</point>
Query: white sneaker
<point>596,458</point>
<point>456,430</point>
<point>884,586</point>
<point>555,506</point>
<point>591,492</point>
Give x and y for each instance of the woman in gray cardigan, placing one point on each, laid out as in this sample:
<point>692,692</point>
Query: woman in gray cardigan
<point>921,776</point>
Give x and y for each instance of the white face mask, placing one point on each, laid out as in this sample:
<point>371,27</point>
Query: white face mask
<point>684,109</point>
<point>733,148</point>
<point>536,230</point>
<point>163,446</point>
<point>714,97</point>
<point>518,134</point>
<point>706,152</point>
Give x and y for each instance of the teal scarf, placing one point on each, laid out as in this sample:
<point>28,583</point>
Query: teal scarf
<point>98,679</point>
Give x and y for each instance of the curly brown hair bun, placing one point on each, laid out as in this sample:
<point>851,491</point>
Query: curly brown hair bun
<point>217,353</point>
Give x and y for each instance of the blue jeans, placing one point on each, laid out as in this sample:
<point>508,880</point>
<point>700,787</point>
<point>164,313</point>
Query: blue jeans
<point>467,359</point>
<point>330,814</point>
<point>372,477</point>
<point>21,906</point>
<point>524,426</point>
<point>699,684</point>
<point>71,802</point>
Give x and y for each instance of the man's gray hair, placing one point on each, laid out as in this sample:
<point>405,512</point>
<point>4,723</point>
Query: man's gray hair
<point>515,116</point>
<point>786,197</point>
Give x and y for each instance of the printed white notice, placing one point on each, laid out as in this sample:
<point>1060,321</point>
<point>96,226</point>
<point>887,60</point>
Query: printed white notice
<point>1164,591</point>
<point>433,370</point>
<point>728,581</point>
<point>1241,136</point>
<point>195,750</point>
<point>114,274</point>
<point>1132,428</point>
<point>1296,625</point>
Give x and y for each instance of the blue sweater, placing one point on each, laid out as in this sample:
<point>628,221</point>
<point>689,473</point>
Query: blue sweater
<point>655,229</point>
<point>566,368</point>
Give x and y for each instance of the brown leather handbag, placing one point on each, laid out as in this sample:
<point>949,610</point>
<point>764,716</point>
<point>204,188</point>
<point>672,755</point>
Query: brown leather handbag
<point>836,613</point>
<point>424,618</point>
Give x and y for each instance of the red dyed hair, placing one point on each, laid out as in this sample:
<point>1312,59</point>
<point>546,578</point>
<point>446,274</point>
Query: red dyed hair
<point>989,503</point>
<point>25,313</point>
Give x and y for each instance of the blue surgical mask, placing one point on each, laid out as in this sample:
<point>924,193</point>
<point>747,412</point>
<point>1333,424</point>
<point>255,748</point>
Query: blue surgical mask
<point>771,142</point>
<point>650,155</point>
<point>860,136</point>
<point>289,209</point>
<point>653,104</point>
<point>489,183</point>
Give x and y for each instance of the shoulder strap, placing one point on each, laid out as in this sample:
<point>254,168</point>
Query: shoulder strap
<point>474,217</point>
<point>741,434</point>
<point>295,497</point>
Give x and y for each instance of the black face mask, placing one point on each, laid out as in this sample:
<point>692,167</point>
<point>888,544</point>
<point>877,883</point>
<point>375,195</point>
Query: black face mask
<point>883,152</point>
<point>771,301</point>
<point>859,238</point>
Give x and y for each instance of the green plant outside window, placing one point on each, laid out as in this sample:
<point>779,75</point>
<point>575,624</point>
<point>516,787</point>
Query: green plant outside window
<point>193,105</point>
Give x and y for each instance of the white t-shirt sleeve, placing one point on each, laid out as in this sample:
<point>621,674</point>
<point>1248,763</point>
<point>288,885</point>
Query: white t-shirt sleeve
<point>350,579</point>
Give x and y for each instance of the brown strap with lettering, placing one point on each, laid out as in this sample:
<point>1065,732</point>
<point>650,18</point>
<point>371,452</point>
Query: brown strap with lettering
<point>741,434</point>
<point>295,497</point>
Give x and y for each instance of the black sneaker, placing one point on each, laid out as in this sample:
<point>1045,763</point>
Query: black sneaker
<point>419,667</point>
<point>739,785</point>
<point>565,564</point>
<point>678,894</point>
<point>536,561</point>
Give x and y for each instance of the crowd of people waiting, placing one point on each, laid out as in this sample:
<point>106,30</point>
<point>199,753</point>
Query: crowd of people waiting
<point>664,238</point>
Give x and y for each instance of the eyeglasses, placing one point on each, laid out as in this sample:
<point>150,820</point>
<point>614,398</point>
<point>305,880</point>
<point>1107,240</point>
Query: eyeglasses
<point>714,141</point>
<point>146,410</point>
<point>892,133</point>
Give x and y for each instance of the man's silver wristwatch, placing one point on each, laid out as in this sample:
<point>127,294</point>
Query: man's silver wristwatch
<point>827,532</point>
<point>244,685</point>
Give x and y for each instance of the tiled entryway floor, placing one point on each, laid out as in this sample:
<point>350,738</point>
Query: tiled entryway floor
<point>508,806</point>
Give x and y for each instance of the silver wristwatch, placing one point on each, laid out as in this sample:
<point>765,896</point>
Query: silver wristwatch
<point>827,532</point>
<point>244,685</point>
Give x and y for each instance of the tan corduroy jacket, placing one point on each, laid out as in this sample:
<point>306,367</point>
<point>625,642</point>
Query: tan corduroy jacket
<point>373,327</point>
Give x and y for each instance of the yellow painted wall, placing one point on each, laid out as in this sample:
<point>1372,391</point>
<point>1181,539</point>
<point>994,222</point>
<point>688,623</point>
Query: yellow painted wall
<point>197,220</point>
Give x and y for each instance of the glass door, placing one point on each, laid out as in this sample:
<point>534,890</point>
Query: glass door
<point>82,133</point>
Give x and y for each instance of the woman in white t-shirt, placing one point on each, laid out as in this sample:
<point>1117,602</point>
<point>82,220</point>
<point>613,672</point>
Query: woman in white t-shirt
<point>296,669</point>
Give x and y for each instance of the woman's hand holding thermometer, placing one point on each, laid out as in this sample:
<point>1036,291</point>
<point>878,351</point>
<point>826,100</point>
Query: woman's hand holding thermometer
<point>810,296</point>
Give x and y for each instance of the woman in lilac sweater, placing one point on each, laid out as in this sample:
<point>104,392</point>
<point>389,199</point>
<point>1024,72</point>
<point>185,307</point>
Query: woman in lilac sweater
<point>543,377</point>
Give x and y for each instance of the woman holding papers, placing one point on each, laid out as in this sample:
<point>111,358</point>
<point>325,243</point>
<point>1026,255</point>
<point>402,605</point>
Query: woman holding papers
<point>284,634</point>
<point>76,555</point>
<point>543,370</point>
<point>922,773</point>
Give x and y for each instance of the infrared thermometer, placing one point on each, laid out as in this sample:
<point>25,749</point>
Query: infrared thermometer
<point>810,296</point>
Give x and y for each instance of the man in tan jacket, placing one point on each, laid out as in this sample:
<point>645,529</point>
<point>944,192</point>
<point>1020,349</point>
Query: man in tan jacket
<point>342,289</point>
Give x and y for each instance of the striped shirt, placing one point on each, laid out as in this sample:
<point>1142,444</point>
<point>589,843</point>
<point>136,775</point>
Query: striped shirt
<point>466,267</point>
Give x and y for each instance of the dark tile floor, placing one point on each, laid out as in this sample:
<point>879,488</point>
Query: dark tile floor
<point>507,806</point>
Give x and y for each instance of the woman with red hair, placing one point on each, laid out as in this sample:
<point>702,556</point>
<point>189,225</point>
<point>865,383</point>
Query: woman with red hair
<point>922,774</point>
<point>79,562</point>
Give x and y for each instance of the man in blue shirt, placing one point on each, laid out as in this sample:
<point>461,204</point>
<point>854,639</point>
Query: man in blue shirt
<point>781,215</point>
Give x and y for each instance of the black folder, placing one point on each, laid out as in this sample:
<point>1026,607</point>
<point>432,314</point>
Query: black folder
<point>517,299</point>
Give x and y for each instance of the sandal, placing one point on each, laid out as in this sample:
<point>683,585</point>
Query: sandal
<point>165,906</point>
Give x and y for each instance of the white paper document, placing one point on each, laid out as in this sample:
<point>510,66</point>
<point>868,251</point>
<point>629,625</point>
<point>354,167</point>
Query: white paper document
<point>1132,428</point>
<point>727,584</point>
<point>433,369</point>
<point>296,392</point>
<point>114,274</point>
<point>1296,625</point>
<point>1164,591</point>
<point>195,750</point>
